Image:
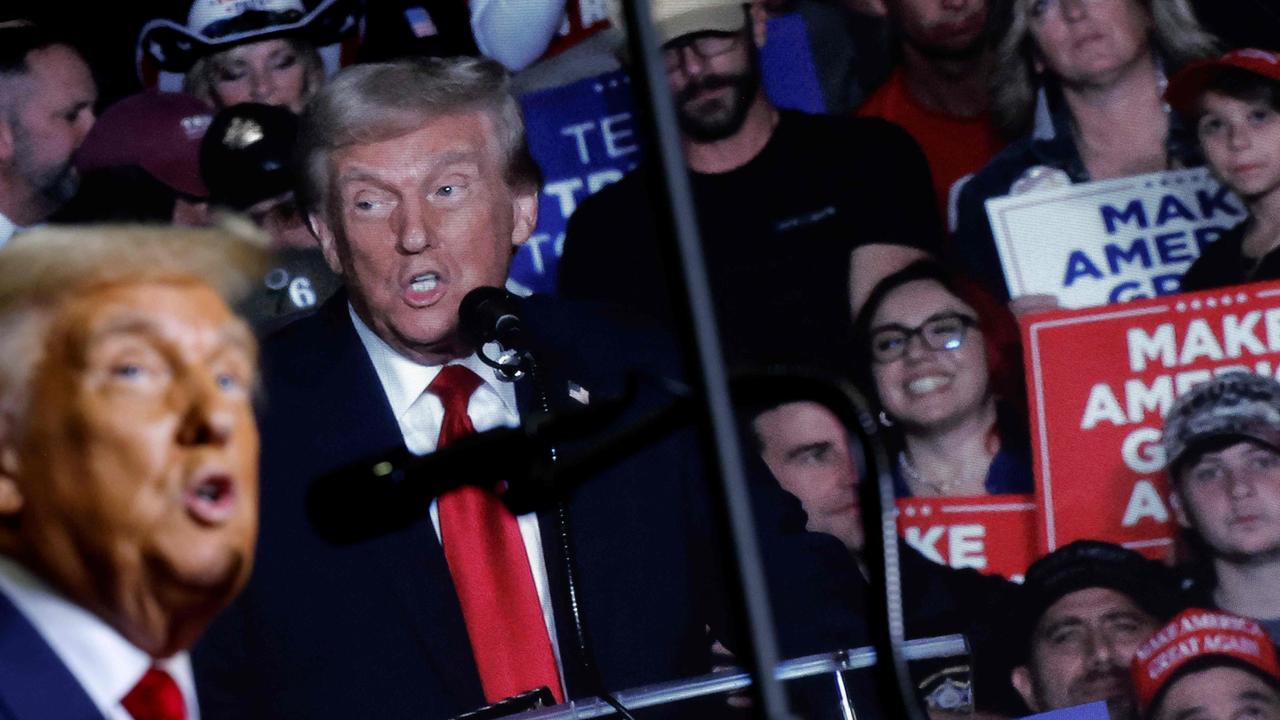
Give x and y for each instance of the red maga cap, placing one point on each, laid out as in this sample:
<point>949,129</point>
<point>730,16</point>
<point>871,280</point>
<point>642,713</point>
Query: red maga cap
<point>1186,85</point>
<point>158,132</point>
<point>1194,634</point>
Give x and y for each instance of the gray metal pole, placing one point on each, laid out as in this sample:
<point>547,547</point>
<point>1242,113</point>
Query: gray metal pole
<point>649,76</point>
<point>727,681</point>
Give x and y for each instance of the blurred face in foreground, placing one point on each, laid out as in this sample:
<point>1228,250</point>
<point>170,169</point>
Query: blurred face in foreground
<point>132,482</point>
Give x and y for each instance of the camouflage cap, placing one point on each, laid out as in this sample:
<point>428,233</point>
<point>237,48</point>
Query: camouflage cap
<point>1235,404</point>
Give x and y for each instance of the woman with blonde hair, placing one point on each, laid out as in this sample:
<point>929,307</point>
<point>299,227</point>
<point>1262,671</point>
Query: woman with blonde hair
<point>261,51</point>
<point>1082,82</point>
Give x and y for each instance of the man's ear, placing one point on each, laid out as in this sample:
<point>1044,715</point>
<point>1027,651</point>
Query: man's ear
<point>524,209</point>
<point>1179,510</point>
<point>11,499</point>
<point>759,21</point>
<point>328,241</point>
<point>1021,679</point>
<point>6,140</point>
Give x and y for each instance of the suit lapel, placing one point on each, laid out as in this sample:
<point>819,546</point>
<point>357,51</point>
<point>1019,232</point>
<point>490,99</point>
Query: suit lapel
<point>33,681</point>
<point>410,562</point>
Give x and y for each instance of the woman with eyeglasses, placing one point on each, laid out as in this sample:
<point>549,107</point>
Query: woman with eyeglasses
<point>942,361</point>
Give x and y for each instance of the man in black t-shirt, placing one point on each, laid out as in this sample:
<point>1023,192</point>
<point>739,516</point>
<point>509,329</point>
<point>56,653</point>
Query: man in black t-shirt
<point>798,214</point>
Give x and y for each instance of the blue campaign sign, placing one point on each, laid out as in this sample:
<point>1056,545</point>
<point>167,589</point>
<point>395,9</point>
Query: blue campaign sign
<point>1092,711</point>
<point>584,136</point>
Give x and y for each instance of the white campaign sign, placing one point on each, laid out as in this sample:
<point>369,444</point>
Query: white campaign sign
<point>1110,240</point>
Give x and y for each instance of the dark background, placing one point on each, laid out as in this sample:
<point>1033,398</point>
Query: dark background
<point>107,33</point>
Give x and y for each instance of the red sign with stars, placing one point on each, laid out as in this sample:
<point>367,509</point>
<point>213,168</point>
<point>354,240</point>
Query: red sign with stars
<point>991,533</point>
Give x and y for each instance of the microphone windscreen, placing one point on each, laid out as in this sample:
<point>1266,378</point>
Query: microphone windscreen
<point>482,312</point>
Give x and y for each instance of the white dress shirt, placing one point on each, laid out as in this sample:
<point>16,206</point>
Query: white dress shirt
<point>7,229</point>
<point>420,413</point>
<point>105,664</point>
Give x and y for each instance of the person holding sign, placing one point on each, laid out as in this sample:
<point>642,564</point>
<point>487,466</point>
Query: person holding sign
<point>1223,444</point>
<point>1233,102</point>
<point>935,362</point>
<point>1081,81</point>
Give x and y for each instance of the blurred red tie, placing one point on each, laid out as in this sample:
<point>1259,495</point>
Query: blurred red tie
<point>490,568</point>
<point>155,697</point>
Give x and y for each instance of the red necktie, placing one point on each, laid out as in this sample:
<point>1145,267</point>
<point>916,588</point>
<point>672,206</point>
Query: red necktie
<point>490,568</point>
<point>155,697</point>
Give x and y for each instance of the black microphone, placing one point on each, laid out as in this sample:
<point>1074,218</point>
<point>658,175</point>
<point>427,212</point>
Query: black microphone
<point>490,314</point>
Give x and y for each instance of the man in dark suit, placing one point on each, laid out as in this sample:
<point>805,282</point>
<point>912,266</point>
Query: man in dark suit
<point>128,467</point>
<point>419,188</point>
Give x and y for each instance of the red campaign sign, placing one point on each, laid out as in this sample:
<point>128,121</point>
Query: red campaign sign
<point>991,533</point>
<point>1101,381</point>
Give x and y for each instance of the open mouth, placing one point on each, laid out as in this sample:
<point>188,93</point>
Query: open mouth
<point>424,288</point>
<point>211,499</point>
<point>927,384</point>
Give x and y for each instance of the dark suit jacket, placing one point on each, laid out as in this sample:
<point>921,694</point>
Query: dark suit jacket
<point>34,684</point>
<point>374,629</point>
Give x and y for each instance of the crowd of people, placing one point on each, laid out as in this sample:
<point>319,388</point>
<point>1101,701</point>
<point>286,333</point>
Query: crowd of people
<point>256,268</point>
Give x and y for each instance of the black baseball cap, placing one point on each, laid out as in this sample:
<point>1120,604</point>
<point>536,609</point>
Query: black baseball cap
<point>247,155</point>
<point>1086,564</point>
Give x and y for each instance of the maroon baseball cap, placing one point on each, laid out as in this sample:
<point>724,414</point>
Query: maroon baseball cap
<point>157,131</point>
<point>1186,85</point>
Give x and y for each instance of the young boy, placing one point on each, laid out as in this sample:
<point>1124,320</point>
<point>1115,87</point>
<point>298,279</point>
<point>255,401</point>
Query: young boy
<point>1234,104</point>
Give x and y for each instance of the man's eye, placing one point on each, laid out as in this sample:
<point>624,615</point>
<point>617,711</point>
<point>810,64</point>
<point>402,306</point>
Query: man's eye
<point>813,455</point>
<point>1210,125</point>
<point>1261,115</point>
<point>451,192</point>
<point>1062,637</point>
<point>287,61</point>
<point>368,204</point>
<point>229,382</point>
<point>127,371</point>
<point>1206,474</point>
<point>1265,460</point>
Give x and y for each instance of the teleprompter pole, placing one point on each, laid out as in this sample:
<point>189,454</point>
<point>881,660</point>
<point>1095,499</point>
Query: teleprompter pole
<point>700,333</point>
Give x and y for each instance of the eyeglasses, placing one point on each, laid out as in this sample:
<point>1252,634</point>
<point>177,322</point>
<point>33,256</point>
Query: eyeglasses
<point>705,46</point>
<point>940,332</point>
<point>1039,8</point>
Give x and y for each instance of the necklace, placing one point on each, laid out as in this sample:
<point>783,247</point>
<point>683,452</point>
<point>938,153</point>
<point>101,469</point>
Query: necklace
<point>915,480</point>
<point>909,473</point>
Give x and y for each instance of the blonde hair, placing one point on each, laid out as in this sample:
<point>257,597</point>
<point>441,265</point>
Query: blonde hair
<point>41,268</point>
<point>1177,37</point>
<point>201,80</point>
